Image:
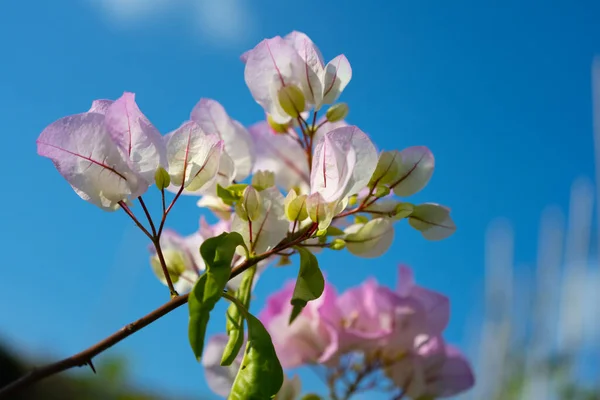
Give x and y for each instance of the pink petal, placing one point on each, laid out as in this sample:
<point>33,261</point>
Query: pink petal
<point>212,118</point>
<point>84,154</point>
<point>136,136</point>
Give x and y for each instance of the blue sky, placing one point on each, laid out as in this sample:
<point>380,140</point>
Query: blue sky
<point>501,95</point>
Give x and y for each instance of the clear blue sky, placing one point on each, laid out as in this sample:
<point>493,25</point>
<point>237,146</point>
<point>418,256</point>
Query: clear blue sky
<point>500,94</point>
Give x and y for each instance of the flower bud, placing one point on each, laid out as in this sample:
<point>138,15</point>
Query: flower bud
<point>251,203</point>
<point>291,100</point>
<point>277,127</point>
<point>337,112</point>
<point>338,244</point>
<point>263,180</point>
<point>319,211</point>
<point>352,200</point>
<point>387,169</point>
<point>295,206</point>
<point>381,191</point>
<point>162,178</point>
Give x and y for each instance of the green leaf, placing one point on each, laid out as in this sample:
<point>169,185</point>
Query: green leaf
<point>309,284</point>
<point>334,231</point>
<point>232,193</point>
<point>260,376</point>
<point>235,319</point>
<point>217,253</point>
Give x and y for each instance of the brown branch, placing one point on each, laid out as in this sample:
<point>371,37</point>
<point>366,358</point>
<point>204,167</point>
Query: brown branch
<point>85,357</point>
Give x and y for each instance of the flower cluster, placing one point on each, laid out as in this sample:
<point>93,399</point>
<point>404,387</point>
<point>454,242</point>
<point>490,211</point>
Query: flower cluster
<point>301,180</point>
<point>370,329</point>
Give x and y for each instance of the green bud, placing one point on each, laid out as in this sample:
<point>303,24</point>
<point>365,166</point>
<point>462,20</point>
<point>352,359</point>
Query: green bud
<point>277,127</point>
<point>381,191</point>
<point>291,100</point>
<point>295,206</point>
<point>403,210</point>
<point>162,178</point>
<point>322,232</point>
<point>337,112</point>
<point>251,203</point>
<point>263,180</point>
<point>352,200</point>
<point>337,244</point>
<point>387,169</point>
<point>232,193</point>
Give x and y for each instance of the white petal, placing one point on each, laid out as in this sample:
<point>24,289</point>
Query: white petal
<point>193,156</point>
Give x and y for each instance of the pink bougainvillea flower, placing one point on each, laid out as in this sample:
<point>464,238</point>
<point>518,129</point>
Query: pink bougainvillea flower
<point>193,156</point>
<point>108,154</point>
<point>212,118</point>
<point>374,316</point>
<point>269,228</point>
<point>322,84</point>
<point>293,60</point>
<point>432,370</point>
<point>343,163</point>
<point>435,305</point>
<point>280,154</point>
<point>311,338</point>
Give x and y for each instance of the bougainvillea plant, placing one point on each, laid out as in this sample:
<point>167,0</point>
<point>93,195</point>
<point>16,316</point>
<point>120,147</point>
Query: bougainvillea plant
<point>299,181</point>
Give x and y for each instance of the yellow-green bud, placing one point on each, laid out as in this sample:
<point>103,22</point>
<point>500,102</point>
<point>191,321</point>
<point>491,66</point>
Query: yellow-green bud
<point>291,100</point>
<point>352,200</point>
<point>251,203</point>
<point>263,180</point>
<point>337,112</point>
<point>381,191</point>
<point>338,244</point>
<point>162,178</point>
<point>277,127</point>
<point>295,206</point>
<point>322,232</point>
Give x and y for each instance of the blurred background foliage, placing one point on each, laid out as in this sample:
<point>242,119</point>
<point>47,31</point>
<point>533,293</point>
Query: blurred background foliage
<point>109,383</point>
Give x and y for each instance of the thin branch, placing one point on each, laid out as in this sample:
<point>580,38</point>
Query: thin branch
<point>137,222</point>
<point>85,357</point>
<point>163,264</point>
<point>147,215</point>
<point>168,210</point>
<point>164,203</point>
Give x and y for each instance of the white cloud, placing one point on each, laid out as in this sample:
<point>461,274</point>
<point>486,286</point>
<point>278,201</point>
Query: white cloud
<point>221,22</point>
